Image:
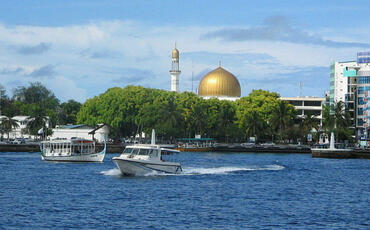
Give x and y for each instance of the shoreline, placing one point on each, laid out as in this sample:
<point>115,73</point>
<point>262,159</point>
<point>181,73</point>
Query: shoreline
<point>282,149</point>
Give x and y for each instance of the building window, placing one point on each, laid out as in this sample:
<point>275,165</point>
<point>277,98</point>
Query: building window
<point>360,122</point>
<point>313,112</point>
<point>312,103</point>
<point>364,80</point>
<point>296,103</point>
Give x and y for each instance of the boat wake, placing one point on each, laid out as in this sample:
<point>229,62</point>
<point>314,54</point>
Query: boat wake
<point>204,171</point>
<point>228,170</point>
<point>112,172</point>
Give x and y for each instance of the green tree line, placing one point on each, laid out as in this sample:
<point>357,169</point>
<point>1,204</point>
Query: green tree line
<point>135,109</point>
<point>40,104</point>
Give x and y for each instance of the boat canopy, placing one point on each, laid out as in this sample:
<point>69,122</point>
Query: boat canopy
<point>195,139</point>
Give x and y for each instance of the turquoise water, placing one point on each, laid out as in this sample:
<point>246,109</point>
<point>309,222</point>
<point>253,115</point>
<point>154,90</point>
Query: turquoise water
<point>216,191</point>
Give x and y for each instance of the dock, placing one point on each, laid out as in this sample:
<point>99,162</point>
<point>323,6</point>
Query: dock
<point>341,154</point>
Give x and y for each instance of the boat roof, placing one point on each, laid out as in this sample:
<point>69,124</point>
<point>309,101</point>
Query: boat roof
<point>150,146</point>
<point>146,146</point>
<point>78,140</point>
<point>195,139</point>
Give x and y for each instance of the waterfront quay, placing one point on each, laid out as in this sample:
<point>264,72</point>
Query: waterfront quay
<point>283,149</point>
<point>262,148</point>
<point>338,154</point>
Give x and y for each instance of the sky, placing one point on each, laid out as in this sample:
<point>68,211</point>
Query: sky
<point>79,49</point>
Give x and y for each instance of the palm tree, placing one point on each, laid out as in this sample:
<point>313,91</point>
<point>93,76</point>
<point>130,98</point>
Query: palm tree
<point>328,119</point>
<point>255,124</point>
<point>309,123</point>
<point>282,116</point>
<point>35,123</point>
<point>342,121</point>
<point>7,125</point>
<point>337,119</point>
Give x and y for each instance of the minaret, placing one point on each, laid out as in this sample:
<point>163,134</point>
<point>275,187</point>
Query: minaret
<point>175,72</point>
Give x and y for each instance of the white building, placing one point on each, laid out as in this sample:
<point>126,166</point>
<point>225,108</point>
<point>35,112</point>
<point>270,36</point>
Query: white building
<point>343,86</point>
<point>81,131</point>
<point>307,105</point>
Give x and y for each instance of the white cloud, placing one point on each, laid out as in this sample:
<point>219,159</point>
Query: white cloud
<point>87,59</point>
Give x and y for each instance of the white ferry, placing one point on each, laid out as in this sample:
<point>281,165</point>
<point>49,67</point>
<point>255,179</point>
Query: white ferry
<point>75,150</point>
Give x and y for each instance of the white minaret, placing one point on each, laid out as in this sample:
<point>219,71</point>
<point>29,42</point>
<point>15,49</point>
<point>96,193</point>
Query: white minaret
<point>175,72</point>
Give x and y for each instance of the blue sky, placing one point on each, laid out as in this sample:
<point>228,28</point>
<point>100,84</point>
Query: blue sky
<point>79,49</point>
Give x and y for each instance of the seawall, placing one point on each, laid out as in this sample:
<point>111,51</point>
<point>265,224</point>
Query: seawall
<point>354,154</point>
<point>263,149</point>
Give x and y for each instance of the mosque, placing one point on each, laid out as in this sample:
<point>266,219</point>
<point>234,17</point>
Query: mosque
<point>219,83</point>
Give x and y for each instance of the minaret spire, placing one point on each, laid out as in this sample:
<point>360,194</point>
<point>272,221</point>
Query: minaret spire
<point>175,70</point>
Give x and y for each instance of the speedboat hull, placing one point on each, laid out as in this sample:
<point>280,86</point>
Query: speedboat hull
<point>96,157</point>
<point>134,167</point>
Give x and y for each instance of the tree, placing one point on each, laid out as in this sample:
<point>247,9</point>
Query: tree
<point>256,108</point>
<point>283,115</point>
<point>37,121</point>
<point>3,98</point>
<point>33,98</point>
<point>67,112</point>
<point>36,93</point>
<point>309,123</point>
<point>342,119</point>
<point>337,119</point>
<point>8,124</point>
<point>328,120</point>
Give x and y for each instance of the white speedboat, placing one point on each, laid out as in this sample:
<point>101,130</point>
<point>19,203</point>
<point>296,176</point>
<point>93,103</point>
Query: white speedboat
<point>75,150</point>
<point>140,160</point>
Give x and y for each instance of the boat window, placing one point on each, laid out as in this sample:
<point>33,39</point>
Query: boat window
<point>135,151</point>
<point>127,150</point>
<point>143,152</point>
<point>155,152</point>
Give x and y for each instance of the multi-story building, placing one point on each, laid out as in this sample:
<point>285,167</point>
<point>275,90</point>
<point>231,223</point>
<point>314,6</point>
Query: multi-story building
<point>307,105</point>
<point>343,86</point>
<point>350,83</point>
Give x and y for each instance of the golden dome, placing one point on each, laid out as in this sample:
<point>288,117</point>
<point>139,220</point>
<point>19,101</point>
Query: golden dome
<point>219,82</point>
<point>175,53</point>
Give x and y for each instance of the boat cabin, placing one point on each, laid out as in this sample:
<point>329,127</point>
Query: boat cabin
<point>68,147</point>
<point>142,151</point>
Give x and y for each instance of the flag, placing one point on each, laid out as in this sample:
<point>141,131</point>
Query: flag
<point>41,131</point>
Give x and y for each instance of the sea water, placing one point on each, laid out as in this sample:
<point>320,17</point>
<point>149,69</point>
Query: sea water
<point>215,191</point>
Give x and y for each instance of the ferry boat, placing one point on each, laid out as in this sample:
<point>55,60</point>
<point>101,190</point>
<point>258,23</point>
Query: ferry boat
<point>195,145</point>
<point>74,150</point>
<point>143,159</point>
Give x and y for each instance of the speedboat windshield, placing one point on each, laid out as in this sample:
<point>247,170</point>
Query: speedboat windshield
<point>127,150</point>
<point>141,151</point>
